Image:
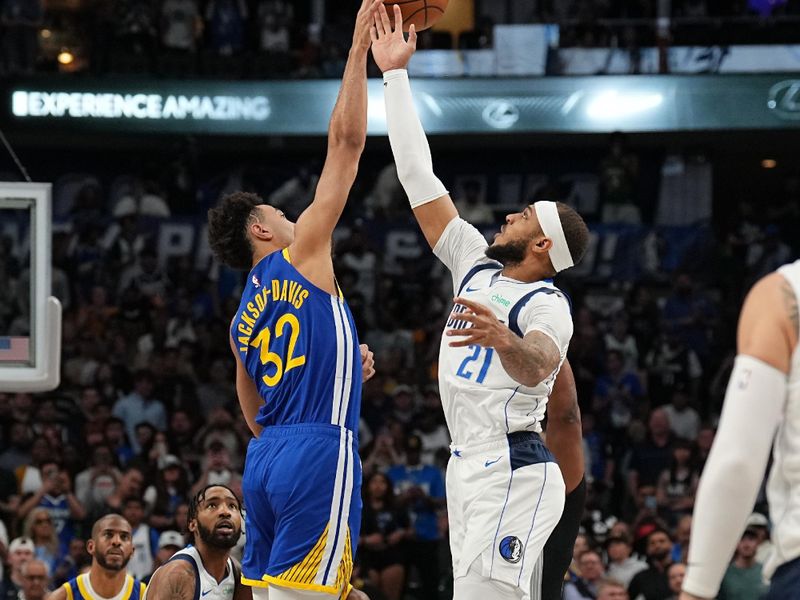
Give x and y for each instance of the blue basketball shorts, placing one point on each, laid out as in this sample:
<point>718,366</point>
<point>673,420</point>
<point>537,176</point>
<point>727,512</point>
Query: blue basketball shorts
<point>302,493</point>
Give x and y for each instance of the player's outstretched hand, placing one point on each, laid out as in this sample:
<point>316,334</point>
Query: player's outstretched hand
<point>367,363</point>
<point>487,330</point>
<point>389,47</point>
<point>364,22</point>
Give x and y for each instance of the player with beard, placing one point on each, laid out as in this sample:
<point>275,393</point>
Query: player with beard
<point>205,569</point>
<point>111,547</point>
<point>503,347</point>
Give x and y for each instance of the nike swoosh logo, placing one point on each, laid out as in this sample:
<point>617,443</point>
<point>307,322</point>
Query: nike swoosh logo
<point>206,592</point>
<point>489,463</point>
<point>470,289</point>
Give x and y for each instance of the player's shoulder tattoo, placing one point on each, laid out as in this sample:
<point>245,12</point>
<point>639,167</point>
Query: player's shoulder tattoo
<point>176,582</point>
<point>790,303</point>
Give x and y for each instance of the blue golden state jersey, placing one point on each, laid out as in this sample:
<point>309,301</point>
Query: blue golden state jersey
<point>299,345</point>
<point>80,588</point>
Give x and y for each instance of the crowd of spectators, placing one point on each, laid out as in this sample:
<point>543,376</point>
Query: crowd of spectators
<point>310,39</point>
<point>147,411</point>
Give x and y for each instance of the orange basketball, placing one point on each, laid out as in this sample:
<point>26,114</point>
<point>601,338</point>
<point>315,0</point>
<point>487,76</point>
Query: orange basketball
<point>421,13</point>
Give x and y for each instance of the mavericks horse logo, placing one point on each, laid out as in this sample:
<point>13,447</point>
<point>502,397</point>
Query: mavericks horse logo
<point>511,549</point>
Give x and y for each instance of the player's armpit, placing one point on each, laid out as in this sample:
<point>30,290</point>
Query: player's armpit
<point>173,581</point>
<point>768,326</point>
<point>433,218</point>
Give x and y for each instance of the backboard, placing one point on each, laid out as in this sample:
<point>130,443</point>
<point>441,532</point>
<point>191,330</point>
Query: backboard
<point>30,318</point>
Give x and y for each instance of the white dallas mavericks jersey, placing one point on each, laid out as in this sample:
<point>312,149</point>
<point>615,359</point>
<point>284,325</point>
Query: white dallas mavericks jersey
<point>480,400</point>
<point>207,587</point>
<point>783,488</point>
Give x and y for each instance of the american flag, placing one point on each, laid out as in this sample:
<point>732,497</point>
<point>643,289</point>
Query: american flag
<point>14,349</point>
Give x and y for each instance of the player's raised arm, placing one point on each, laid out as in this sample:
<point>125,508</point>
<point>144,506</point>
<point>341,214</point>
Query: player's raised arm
<point>433,207</point>
<point>347,133</point>
<point>753,408</point>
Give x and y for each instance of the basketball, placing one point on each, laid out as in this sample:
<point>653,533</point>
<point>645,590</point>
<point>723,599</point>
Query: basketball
<point>420,13</point>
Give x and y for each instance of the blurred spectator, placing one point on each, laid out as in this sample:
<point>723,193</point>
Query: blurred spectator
<point>70,566</point>
<point>136,25</point>
<point>383,454</point>
<point>17,454</point>
<point>622,566</point>
<point>705,439</point>
<point>298,191</point>
<point>274,18</point>
<point>649,459</point>
<point>171,488</point>
<point>30,476</point>
<point>384,529</point>
<point>35,580</point>
<point>216,468</point>
<point>431,427</point>
<point>52,509</point>
<point>225,22</point>
<point>20,21</point>
<point>144,538</point>
<point>169,542</point>
<point>40,528</point>
<point>619,339</point>
<point>611,590</point>
<point>20,551</point>
<point>130,485</point>
<point>592,572</point>
<point>683,419</point>
<point>96,483</point>
<point>146,277</point>
<point>758,525</point>
<point>677,485</point>
<point>139,406</point>
<point>470,204</point>
<point>689,314</point>
<point>653,583</point>
<point>617,392</point>
<point>420,489</point>
<point>675,574</point>
<point>180,24</point>
<point>743,579</point>
<point>117,440</point>
<point>619,172</point>
<point>683,531</point>
<point>672,363</point>
<point>218,391</point>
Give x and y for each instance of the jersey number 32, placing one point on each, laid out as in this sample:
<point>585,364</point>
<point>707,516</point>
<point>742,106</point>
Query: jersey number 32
<point>262,342</point>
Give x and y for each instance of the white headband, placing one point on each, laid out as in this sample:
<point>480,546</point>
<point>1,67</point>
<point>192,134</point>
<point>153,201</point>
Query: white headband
<point>550,222</point>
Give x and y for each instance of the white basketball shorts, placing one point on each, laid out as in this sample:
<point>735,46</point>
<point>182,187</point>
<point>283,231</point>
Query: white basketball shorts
<point>504,498</point>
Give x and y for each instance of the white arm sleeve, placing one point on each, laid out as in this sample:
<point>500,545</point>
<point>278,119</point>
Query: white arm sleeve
<point>754,403</point>
<point>412,155</point>
<point>460,247</point>
<point>548,313</point>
